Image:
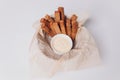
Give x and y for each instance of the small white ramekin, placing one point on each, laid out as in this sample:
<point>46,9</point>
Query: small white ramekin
<point>66,37</point>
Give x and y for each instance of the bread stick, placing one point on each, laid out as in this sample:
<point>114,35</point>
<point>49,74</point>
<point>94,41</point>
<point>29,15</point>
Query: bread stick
<point>46,27</point>
<point>52,28</point>
<point>44,21</point>
<point>68,27</point>
<point>74,17</point>
<point>57,16</point>
<point>61,10</point>
<point>50,19</point>
<point>56,27</point>
<point>46,30</point>
<point>62,27</point>
<point>74,29</point>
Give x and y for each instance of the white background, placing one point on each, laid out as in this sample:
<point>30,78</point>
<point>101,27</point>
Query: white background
<point>17,17</point>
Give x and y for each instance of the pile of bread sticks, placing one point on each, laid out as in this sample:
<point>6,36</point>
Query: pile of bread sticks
<point>60,24</point>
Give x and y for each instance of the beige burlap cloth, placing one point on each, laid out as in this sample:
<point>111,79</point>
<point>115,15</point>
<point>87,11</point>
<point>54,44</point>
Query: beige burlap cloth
<point>45,63</point>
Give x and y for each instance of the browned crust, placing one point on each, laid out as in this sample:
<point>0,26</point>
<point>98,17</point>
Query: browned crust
<point>52,28</point>
<point>61,10</point>
<point>46,30</point>
<point>74,17</point>
<point>68,27</point>
<point>56,28</point>
<point>74,29</point>
<point>57,16</point>
<point>50,19</point>
<point>62,27</point>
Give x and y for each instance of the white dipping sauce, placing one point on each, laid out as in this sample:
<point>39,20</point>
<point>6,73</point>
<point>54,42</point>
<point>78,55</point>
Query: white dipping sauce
<point>61,43</point>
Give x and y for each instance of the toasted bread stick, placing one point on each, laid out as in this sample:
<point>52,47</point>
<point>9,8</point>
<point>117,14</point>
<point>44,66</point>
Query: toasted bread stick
<point>68,27</point>
<point>56,27</point>
<point>46,30</point>
<point>62,27</point>
<point>50,19</point>
<point>74,17</point>
<point>52,28</point>
<point>57,16</point>
<point>61,10</point>
<point>74,29</point>
<point>44,21</point>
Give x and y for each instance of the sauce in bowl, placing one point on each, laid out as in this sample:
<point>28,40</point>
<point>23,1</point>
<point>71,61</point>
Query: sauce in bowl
<point>61,44</point>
